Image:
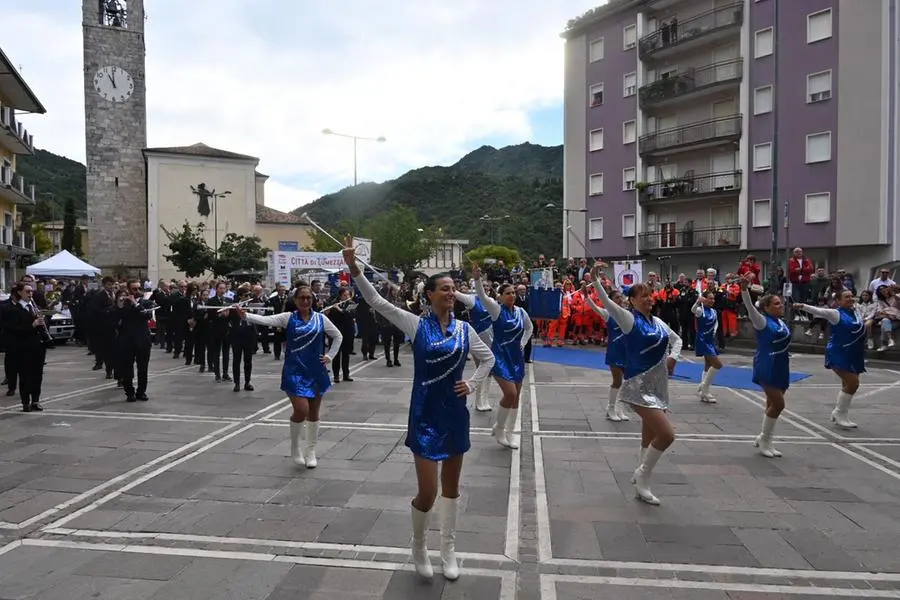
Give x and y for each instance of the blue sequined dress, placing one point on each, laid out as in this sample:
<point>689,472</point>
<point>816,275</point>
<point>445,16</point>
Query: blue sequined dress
<point>707,325</point>
<point>616,348</point>
<point>771,362</point>
<point>509,328</point>
<point>480,319</point>
<point>646,375</point>
<point>846,348</point>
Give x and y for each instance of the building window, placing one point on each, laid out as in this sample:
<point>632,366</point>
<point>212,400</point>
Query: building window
<point>596,139</point>
<point>762,213</point>
<point>629,85</point>
<point>629,37</point>
<point>818,207</point>
<point>762,100</point>
<point>762,157</point>
<point>596,229</point>
<point>763,42</point>
<point>818,87</point>
<point>629,132</point>
<point>596,184</point>
<point>596,98</point>
<point>628,226</point>
<point>628,179</point>
<point>818,147</point>
<point>596,50</point>
<point>818,26</point>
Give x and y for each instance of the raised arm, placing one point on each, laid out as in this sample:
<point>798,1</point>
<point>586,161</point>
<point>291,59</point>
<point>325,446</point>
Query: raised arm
<point>623,317</point>
<point>697,308</point>
<point>597,309</point>
<point>336,336</point>
<point>490,305</point>
<point>483,355</point>
<point>405,321</point>
<point>829,314</point>
<point>759,321</point>
<point>466,300</point>
<point>280,320</point>
<point>675,342</point>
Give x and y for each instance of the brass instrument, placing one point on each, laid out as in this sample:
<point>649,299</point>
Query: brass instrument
<point>46,338</point>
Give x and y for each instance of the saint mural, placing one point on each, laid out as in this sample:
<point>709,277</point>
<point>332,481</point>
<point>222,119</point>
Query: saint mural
<point>203,196</point>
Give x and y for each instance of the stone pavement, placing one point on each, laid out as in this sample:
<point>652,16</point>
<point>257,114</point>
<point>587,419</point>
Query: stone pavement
<point>192,495</point>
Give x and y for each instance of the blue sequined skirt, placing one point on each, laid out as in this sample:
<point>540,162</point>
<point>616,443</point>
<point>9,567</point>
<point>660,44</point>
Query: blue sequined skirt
<point>509,363</point>
<point>649,389</point>
<point>615,354</point>
<point>705,346</point>
<point>305,384</point>
<point>851,362</point>
<point>774,372</point>
<point>438,425</point>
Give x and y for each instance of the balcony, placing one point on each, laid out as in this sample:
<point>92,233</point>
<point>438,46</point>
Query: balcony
<point>692,84</point>
<point>675,36</point>
<point>12,134</point>
<point>16,243</point>
<point>693,136</point>
<point>690,187</point>
<point>13,188</point>
<point>706,239</point>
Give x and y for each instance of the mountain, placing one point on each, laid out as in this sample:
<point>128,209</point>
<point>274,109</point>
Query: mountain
<point>518,181</point>
<point>57,179</point>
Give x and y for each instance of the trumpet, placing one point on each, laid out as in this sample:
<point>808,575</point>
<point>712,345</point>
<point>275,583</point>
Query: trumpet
<point>46,338</point>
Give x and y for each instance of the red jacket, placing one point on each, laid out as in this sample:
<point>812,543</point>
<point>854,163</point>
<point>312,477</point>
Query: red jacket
<point>800,271</point>
<point>749,268</point>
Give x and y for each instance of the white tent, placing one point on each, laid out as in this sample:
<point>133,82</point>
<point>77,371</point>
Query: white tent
<point>64,264</point>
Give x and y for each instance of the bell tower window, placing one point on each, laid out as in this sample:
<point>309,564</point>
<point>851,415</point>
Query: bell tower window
<point>114,13</point>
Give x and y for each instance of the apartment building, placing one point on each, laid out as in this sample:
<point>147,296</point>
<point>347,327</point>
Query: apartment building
<point>695,130</point>
<point>15,98</point>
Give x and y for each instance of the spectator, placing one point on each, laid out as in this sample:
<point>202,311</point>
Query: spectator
<point>749,265</point>
<point>887,314</point>
<point>800,272</point>
<point>884,278</point>
<point>866,309</point>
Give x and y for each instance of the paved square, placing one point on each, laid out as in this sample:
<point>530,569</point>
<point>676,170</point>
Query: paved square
<point>192,495</point>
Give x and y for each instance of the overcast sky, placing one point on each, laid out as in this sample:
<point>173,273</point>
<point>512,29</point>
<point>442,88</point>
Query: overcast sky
<point>264,77</point>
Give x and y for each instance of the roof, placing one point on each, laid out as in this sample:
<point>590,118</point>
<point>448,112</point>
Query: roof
<point>576,26</point>
<point>260,175</point>
<point>264,214</point>
<point>16,90</point>
<point>200,149</point>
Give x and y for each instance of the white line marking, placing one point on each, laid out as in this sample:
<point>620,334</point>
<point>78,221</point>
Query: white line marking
<point>365,426</point>
<point>792,420</point>
<point>877,455</point>
<point>126,417</point>
<point>869,462</point>
<point>532,391</point>
<point>545,551</point>
<point>680,436</point>
<point>742,439</point>
<point>715,585</point>
<point>511,546</point>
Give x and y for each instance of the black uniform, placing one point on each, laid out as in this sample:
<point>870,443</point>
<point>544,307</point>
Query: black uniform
<point>242,338</point>
<point>218,339</point>
<point>687,296</point>
<point>279,305</point>
<point>24,341</point>
<point>103,334</point>
<point>342,317</point>
<point>134,345</point>
<point>179,312</point>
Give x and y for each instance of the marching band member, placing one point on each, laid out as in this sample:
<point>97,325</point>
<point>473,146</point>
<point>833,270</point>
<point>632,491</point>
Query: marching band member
<point>845,353</point>
<point>304,376</point>
<point>616,352</point>
<point>242,338</point>
<point>511,330</point>
<point>652,351</point>
<point>341,314</point>
<point>278,302</point>
<point>438,418</point>
<point>707,325</point>
<point>134,342</point>
<point>218,334</point>
<point>24,327</point>
<point>771,362</point>
<point>391,335</point>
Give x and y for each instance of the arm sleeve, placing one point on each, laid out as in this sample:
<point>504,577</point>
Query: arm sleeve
<point>279,320</point>
<point>675,342</point>
<point>529,327</point>
<point>406,322</point>
<point>489,303</point>
<point>336,336</point>
<point>759,321</point>
<point>623,317</point>
<point>829,314</point>
<point>697,308</point>
<point>483,355</point>
<point>465,299</point>
<point>600,311</point>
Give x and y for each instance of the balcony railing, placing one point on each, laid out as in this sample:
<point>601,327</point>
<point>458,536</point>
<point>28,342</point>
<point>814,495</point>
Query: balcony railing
<point>705,238</point>
<point>13,187</point>
<point>17,242</point>
<point>701,132</point>
<point>729,71</point>
<point>691,186</point>
<point>673,32</point>
<point>14,134</point>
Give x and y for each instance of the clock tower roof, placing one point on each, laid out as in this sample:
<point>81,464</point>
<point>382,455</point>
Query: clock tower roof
<point>200,150</point>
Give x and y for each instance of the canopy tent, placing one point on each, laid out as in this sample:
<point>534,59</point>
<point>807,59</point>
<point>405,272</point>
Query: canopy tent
<point>64,264</point>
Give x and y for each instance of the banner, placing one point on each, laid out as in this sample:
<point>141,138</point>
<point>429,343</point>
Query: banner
<point>628,273</point>
<point>270,274</point>
<point>289,246</point>
<point>544,304</point>
<point>542,279</point>
<point>285,263</point>
<point>363,249</point>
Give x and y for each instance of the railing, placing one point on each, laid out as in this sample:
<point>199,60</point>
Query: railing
<point>692,80</point>
<point>16,183</point>
<point>673,32</point>
<point>687,239</point>
<point>11,126</point>
<point>689,186</point>
<point>692,133</point>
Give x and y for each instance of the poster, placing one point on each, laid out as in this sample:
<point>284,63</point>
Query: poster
<point>363,249</point>
<point>283,264</point>
<point>628,273</point>
<point>542,279</point>
<point>288,246</point>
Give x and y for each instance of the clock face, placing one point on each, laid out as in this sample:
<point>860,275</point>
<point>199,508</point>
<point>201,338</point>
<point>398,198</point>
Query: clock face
<point>114,84</point>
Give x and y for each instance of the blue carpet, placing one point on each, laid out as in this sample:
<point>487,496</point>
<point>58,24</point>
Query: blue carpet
<point>732,377</point>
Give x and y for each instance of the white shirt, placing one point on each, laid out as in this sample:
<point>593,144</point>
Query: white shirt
<point>878,282</point>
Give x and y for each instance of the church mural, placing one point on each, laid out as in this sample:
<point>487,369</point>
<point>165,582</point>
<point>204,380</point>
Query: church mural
<point>203,196</point>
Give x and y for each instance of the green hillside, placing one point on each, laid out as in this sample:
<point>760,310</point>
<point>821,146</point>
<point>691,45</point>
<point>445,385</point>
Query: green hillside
<point>57,179</point>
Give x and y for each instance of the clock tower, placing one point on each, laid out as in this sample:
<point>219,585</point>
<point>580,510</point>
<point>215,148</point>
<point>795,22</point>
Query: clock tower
<point>115,121</point>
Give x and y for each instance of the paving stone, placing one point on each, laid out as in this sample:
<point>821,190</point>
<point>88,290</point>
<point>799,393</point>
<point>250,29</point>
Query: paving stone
<point>135,566</point>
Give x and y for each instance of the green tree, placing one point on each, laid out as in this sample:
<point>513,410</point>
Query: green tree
<point>399,240</point>
<point>78,247</point>
<point>69,223</point>
<point>322,243</point>
<point>509,256</point>
<point>240,253</point>
<point>42,244</point>
<point>190,253</point>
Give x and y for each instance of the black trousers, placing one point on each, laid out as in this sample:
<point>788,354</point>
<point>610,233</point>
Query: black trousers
<point>688,331</point>
<point>369,334</point>
<point>341,363</point>
<point>199,343</point>
<point>242,349</point>
<point>277,342</point>
<point>31,373</point>
<point>218,353</point>
<point>11,368</point>
<point>134,355</point>
<point>391,336</point>
<point>262,335</point>
<point>163,334</point>
<point>105,350</point>
<point>177,330</point>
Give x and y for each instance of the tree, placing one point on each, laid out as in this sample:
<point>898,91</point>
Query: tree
<point>240,253</point>
<point>42,243</point>
<point>509,256</point>
<point>190,253</point>
<point>322,243</point>
<point>77,247</point>
<point>399,240</point>
<point>69,226</point>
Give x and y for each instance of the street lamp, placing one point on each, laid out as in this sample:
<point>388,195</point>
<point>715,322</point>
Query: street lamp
<point>215,198</point>
<point>356,139</point>
<point>568,228</point>
<point>491,220</point>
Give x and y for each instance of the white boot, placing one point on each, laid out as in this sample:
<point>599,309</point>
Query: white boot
<point>499,431</point>
<point>448,537</point>
<point>620,411</point>
<point>296,452</point>
<point>312,436</point>
<point>764,439</point>
<point>419,550</point>
<point>641,454</point>
<point>511,428</point>
<point>482,397</point>
<point>611,413</point>
<point>840,416</point>
<point>703,390</point>
<point>642,476</point>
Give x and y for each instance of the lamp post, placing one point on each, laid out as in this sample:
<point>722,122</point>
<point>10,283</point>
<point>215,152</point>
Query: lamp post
<point>356,139</point>
<point>568,228</point>
<point>215,198</point>
<point>491,220</point>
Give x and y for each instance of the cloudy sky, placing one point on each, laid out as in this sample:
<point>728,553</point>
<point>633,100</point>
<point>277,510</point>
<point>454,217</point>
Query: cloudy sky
<point>264,77</point>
